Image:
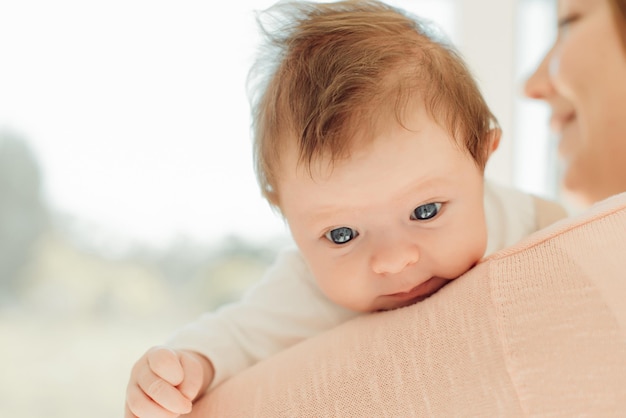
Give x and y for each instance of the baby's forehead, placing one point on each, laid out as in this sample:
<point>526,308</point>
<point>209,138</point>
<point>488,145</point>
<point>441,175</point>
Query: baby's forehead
<point>366,144</point>
<point>359,136</point>
<point>391,175</point>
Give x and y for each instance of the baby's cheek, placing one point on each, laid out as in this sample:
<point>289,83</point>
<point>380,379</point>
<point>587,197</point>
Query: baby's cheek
<point>332,284</point>
<point>467,253</point>
<point>340,286</point>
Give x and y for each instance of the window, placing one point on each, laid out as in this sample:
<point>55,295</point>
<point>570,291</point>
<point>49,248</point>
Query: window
<point>535,163</point>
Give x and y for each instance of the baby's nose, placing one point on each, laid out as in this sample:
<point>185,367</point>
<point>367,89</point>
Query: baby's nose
<point>391,259</point>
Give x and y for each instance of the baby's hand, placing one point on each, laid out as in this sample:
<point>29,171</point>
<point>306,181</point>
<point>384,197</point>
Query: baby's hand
<point>163,383</point>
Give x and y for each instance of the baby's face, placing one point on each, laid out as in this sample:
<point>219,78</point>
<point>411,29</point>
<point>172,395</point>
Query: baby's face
<point>393,223</point>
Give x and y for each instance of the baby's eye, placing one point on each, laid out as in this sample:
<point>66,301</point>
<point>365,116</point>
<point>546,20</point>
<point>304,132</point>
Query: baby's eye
<point>341,235</point>
<point>427,211</point>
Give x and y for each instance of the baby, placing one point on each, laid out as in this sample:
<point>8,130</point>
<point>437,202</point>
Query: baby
<point>371,139</point>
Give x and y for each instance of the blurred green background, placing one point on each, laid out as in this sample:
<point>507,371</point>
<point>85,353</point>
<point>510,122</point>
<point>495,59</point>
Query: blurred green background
<point>78,308</point>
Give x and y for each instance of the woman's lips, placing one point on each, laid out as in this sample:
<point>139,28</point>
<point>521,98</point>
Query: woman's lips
<point>568,136</point>
<point>559,121</point>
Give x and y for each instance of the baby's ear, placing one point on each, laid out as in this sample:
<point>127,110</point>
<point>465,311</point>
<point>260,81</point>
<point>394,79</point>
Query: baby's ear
<point>494,139</point>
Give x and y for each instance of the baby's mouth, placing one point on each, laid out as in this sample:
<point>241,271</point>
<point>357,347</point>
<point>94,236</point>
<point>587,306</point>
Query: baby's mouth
<point>414,295</point>
<point>421,291</point>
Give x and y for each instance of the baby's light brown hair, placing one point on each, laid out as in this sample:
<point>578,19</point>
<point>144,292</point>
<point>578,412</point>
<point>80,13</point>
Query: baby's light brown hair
<point>334,71</point>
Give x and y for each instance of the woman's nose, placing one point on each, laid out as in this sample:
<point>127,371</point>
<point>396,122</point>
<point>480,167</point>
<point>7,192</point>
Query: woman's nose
<point>392,258</point>
<point>539,84</point>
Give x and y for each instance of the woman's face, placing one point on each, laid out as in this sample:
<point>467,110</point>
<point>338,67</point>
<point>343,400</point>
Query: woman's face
<point>583,79</point>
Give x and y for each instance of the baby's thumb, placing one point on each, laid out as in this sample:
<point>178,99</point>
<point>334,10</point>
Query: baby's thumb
<point>192,370</point>
<point>164,362</point>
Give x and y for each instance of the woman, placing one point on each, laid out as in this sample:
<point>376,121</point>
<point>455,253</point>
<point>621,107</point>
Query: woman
<point>583,79</point>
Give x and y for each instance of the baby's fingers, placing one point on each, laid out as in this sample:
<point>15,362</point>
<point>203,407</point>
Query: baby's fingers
<point>140,405</point>
<point>128,413</point>
<point>164,363</point>
<point>163,393</point>
<point>192,382</point>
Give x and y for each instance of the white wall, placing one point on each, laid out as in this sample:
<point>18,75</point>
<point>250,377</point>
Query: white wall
<point>503,40</point>
<point>486,39</point>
